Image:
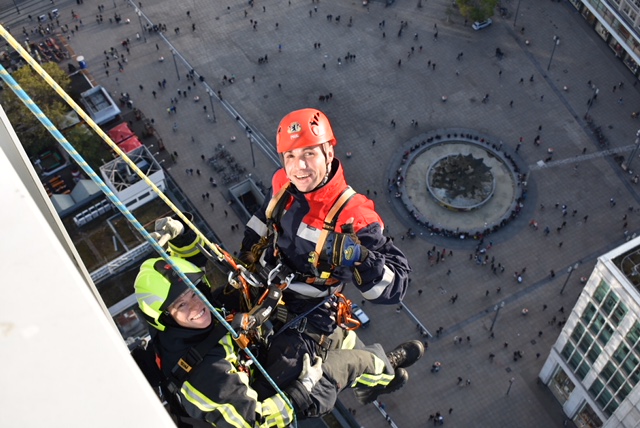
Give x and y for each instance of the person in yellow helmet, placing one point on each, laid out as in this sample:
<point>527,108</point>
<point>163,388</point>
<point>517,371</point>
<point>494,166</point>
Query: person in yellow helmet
<point>214,377</point>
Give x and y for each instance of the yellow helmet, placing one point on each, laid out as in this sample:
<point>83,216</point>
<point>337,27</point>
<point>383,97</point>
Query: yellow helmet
<point>158,285</point>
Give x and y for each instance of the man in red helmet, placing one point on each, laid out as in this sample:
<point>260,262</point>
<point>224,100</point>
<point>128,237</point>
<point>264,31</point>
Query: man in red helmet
<point>318,229</point>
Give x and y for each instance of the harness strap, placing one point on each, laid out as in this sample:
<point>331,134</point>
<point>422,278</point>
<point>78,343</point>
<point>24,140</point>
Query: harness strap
<point>274,202</point>
<point>330,226</point>
<point>274,212</point>
<point>194,357</point>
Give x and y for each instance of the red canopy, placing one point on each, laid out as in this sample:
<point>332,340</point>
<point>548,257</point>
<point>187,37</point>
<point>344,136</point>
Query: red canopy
<point>120,133</point>
<point>130,144</point>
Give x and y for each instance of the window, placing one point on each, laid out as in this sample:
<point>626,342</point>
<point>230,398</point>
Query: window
<point>594,353</point>
<point>601,291</point>
<point>635,377</point>
<point>597,324</point>
<point>604,398</point>
<point>567,351</point>
<point>626,8</point>
<point>634,334</point>
<point>605,334</point>
<point>561,385</point>
<point>609,303</point>
<point>613,405</point>
<point>616,382</point>
<point>596,388</point>
<point>622,394</point>
<point>585,343</point>
<point>575,360</point>
<point>630,365</point>
<point>607,371</point>
<point>588,313</point>
<point>618,314</point>
<point>578,331</point>
<point>582,370</point>
<point>621,353</point>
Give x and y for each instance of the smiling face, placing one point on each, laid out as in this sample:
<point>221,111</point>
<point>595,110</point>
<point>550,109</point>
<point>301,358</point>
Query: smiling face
<point>306,167</point>
<point>189,311</point>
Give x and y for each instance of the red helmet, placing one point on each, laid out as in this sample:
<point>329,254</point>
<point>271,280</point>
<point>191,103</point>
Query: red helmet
<point>303,128</point>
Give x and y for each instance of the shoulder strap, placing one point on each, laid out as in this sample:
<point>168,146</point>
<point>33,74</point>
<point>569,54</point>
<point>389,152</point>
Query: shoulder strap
<point>330,224</point>
<point>194,357</point>
<point>276,204</point>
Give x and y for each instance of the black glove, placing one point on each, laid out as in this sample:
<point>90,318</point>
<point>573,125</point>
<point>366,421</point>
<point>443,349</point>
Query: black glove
<point>344,249</point>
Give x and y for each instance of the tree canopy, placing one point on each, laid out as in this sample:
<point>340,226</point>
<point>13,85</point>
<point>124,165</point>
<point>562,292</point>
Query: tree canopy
<point>477,10</point>
<point>33,135</point>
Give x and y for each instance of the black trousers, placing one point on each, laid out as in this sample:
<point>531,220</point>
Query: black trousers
<point>341,367</point>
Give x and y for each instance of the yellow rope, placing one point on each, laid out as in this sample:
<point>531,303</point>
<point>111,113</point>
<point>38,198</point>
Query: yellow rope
<point>222,255</point>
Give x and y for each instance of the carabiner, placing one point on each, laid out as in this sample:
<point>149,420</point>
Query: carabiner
<point>273,273</point>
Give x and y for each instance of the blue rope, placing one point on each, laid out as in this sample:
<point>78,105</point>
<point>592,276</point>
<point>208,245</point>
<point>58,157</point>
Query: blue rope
<point>68,147</point>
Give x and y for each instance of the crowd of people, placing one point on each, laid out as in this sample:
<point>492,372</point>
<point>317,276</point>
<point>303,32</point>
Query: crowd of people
<point>396,185</point>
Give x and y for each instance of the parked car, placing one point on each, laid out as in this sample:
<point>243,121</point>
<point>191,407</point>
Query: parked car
<point>360,315</point>
<point>479,25</point>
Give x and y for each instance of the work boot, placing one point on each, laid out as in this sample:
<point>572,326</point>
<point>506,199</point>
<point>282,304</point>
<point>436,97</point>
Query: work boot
<point>406,354</point>
<point>366,395</point>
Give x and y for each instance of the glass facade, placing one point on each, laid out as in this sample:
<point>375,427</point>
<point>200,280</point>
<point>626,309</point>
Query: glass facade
<point>561,385</point>
<point>603,313</point>
<point>623,16</point>
<point>587,418</point>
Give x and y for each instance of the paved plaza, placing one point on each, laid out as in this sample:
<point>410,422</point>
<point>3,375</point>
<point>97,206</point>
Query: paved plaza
<point>368,75</point>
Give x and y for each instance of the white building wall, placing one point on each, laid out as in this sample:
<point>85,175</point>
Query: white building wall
<point>140,193</point>
<point>628,413</point>
<point>63,361</point>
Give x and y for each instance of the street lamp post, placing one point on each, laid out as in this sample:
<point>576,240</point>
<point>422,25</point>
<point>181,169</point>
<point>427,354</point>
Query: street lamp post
<point>144,34</point>
<point>16,5</point>
<point>516,17</point>
<point>556,42</point>
<point>496,308</point>
<point>173,52</point>
<point>569,271</point>
<point>510,384</point>
<point>213,112</point>
<point>633,154</point>
<point>592,99</point>
<point>423,329</point>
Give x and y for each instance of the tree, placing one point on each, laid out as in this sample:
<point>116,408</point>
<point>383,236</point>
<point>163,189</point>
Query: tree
<point>449,11</point>
<point>89,145</point>
<point>477,10</point>
<point>33,135</point>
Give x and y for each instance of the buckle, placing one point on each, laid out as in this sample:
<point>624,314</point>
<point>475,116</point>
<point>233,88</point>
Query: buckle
<point>302,325</point>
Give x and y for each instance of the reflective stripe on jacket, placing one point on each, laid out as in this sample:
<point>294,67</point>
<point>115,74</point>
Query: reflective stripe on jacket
<point>216,390</point>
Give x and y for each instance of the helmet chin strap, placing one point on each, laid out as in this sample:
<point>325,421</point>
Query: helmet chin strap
<point>326,176</point>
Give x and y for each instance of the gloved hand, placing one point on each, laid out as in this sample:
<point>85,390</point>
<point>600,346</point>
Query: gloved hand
<point>167,228</point>
<point>344,249</point>
<point>310,374</point>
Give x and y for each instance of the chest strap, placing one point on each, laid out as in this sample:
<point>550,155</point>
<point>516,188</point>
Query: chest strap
<point>329,226</point>
<point>275,211</point>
